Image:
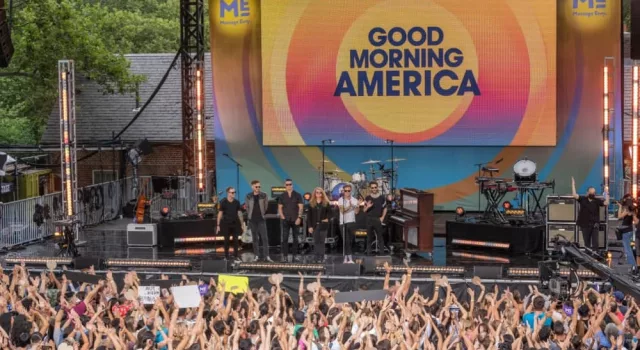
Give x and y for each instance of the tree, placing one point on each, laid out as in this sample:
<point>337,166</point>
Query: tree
<point>626,14</point>
<point>95,34</point>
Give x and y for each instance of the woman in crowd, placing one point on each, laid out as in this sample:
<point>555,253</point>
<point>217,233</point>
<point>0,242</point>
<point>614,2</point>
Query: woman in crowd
<point>318,221</point>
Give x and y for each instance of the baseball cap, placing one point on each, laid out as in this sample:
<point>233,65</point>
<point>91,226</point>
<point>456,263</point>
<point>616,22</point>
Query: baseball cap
<point>618,295</point>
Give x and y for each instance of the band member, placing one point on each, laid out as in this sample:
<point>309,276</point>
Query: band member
<point>230,222</point>
<point>290,209</point>
<point>318,221</point>
<point>589,215</point>
<point>375,206</point>
<point>349,208</point>
<point>256,203</point>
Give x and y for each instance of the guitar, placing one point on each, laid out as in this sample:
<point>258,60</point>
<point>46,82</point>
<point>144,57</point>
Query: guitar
<point>142,202</point>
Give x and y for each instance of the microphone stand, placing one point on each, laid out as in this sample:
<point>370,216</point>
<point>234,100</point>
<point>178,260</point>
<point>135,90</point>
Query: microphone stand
<point>238,166</point>
<point>322,181</point>
<point>479,165</point>
<point>393,169</point>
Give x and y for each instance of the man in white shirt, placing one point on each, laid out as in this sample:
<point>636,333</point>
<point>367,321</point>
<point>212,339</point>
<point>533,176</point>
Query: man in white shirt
<point>349,207</point>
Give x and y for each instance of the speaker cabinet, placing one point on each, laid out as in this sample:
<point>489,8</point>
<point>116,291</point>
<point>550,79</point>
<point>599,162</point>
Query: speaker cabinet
<point>148,253</point>
<point>488,272</point>
<point>216,266</point>
<point>602,237</point>
<point>561,209</point>
<point>83,262</point>
<point>568,231</point>
<point>142,235</point>
<point>343,269</point>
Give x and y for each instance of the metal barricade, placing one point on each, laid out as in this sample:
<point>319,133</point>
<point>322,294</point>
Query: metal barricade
<point>96,204</point>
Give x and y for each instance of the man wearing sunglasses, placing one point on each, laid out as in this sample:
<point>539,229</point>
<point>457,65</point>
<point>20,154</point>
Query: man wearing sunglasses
<point>230,222</point>
<point>290,209</point>
<point>376,208</point>
<point>256,203</point>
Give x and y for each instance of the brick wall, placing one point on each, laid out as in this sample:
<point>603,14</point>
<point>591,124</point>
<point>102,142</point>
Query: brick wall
<point>164,160</point>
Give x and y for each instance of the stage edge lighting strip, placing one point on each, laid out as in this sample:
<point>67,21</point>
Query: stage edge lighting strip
<point>275,266</point>
<point>452,270</point>
<point>147,263</point>
<point>38,261</point>
<point>200,140</point>
<point>634,135</point>
<point>480,243</point>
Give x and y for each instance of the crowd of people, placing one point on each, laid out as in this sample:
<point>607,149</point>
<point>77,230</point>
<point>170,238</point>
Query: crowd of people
<point>49,311</point>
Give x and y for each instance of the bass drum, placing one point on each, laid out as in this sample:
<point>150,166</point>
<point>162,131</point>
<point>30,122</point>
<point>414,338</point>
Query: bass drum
<point>525,171</point>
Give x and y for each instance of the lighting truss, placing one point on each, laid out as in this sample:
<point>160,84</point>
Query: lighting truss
<point>147,263</point>
<point>38,260</point>
<point>445,270</point>
<point>480,243</point>
<point>634,135</point>
<point>68,171</point>
<point>281,267</point>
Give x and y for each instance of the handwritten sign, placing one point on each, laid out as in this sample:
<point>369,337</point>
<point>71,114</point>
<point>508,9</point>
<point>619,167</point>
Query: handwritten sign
<point>148,294</point>
<point>186,296</point>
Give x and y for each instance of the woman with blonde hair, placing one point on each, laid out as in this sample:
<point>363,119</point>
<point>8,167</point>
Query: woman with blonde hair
<point>318,221</point>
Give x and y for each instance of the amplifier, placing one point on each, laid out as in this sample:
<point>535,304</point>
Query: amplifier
<point>567,231</point>
<point>561,209</point>
<point>142,235</point>
<point>145,253</point>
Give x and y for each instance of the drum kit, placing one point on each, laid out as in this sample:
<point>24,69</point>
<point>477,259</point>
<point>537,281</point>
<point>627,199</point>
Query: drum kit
<point>378,171</point>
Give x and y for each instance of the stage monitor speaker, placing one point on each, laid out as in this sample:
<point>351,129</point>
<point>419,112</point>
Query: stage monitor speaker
<point>602,237</point>
<point>343,269</point>
<point>216,266</point>
<point>83,262</point>
<point>488,272</point>
<point>561,209</point>
<point>635,29</point>
<point>568,231</point>
<point>371,262</point>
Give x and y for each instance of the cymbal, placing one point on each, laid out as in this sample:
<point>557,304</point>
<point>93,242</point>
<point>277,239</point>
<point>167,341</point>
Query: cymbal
<point>371,162</point>
<point>396,160</point>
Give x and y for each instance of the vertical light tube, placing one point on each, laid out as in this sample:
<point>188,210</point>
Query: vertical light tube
<point>66,177</point>
<point>605,130</point>
<point>634,135</point>
<point>200,168</point>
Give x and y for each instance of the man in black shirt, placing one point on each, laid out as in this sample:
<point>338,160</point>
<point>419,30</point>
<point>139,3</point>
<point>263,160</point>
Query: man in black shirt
<point>589,214</point>
<point>290,208</point>
<point>256,203</point>
<point>230,222</point>
<point>375,206</point>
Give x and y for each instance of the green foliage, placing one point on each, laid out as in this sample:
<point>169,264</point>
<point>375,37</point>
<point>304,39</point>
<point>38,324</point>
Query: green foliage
<point>626,13</point>
<point>93,33</point>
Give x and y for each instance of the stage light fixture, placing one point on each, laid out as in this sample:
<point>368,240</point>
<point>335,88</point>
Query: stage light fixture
<point>280,267</point>
<point>200,251</point>
<point>506,205</point>
<point>523,272</point>
<point>147,263</point>
<point>165,211</point>
<point>200,137</point>
<point>480,243</point>
<point>38,261</point>
<point>361,233</point>
<point>68,171</point>
<point>634,135</point>
<point>481,257</point>
<point>583,273</point>
<point>514,212</point>
<point>200,239</point>
<point>446,270</point>
<point>460,211</point>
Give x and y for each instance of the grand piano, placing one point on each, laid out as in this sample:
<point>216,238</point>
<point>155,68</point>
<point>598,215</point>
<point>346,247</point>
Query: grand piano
<point>415,219</point>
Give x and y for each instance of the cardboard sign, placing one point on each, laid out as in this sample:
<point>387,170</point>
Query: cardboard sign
<point>234,284</point>
<point>148,294</point>
<point>356,297</point>
<point>186,296</point>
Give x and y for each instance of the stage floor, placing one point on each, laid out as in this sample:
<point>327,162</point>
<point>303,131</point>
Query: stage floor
<point>109,241</point>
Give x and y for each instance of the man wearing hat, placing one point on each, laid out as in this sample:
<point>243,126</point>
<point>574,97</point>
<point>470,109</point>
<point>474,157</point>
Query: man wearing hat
<point>619,296</point>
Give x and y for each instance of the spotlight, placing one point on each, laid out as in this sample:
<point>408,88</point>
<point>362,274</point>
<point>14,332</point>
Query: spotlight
<point>506,205</point>
<point>460,211</point>
<point>165,211</point>
<point>307,196</point>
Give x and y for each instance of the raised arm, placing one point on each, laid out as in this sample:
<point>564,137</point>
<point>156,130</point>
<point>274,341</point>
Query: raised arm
<point>573,188</point>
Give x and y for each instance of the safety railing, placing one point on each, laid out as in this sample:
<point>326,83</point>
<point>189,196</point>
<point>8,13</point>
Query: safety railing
<point>33,219</point>
<point>179,195</point>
